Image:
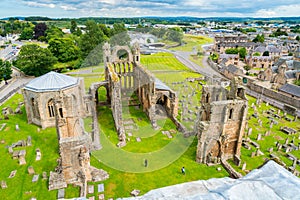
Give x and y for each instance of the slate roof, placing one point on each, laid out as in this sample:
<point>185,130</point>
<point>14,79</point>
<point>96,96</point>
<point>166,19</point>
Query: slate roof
<point>290,89</point>
<point>160,85</point>
<point>51,81</point>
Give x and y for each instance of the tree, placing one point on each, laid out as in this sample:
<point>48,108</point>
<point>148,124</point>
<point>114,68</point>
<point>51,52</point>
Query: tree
<point>256,54</point>
<point>89,41</point>
<point>232,51</point>
<point>266,53</point>
<point>298,38</point>
<point>5,70</point>
<point>73,26</point>
<point>54,32</point>
<point>34,60</point>
<point>26,34</point>
<point>243,52</point>
<point>64,49</point>
<point>259,38</point>
<point>40,30</point>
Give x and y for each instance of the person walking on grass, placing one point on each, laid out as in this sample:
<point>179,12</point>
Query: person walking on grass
<point>183,170</point>
<point>146,163</point>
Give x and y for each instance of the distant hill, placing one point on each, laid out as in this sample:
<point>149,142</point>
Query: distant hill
<point>158,19</point>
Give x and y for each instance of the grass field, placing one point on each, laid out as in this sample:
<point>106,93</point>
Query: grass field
<point>193,43</point>
<point>21,186</point>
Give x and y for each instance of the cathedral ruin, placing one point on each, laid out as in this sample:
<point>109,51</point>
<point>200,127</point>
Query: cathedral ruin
<point>221,123</point>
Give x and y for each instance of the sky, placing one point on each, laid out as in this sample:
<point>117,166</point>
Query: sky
<point>139,8</point>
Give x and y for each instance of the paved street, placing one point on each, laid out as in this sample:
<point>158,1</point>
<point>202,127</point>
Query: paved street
<point>9,89</point>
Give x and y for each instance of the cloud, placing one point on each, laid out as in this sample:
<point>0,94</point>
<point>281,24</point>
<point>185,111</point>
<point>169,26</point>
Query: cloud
<point>39,5</point>
<point>201,8</point>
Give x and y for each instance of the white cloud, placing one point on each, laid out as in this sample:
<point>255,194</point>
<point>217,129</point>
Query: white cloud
<point>68,8</point>
<point>40,5</point>
<point>286,10</point>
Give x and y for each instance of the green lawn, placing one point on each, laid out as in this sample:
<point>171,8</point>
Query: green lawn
<point>193,42</point>
<point>267,141</point>
<point>21,186</point>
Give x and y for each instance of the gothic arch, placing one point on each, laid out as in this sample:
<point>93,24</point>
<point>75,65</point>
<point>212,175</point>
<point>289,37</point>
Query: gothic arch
<point>116,49</point>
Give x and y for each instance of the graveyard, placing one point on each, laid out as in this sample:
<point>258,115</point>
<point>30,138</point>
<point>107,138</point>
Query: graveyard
<point>29,153</point>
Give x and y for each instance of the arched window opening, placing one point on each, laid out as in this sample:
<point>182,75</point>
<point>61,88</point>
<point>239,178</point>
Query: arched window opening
<point>51,108</point>
<point>230,113</point>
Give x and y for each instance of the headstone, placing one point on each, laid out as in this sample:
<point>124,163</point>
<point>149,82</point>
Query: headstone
<point>249,131</point>
<point>2,126</point>
<point>61,194</point>
<point>17,127</point>
<point>260,123</point>
<point>267,104</point>
<point>92,198</point>
<point>271,124</point>
<point>38,154</point>
<point>29,141</point>
<point>44,175</point>
<point>138,139</point>
<point>129,134</point>
<point>91,189</point>
<point>258,137</point>
<point>10,150</point>
<point>253,154</point>
<point>16,154</point>
<point>30,170</point>
<point>219,169</point>
<point>288,149</point>
<point>279,147</point>
<point>22,160</point>
<point>38,130</point>
<point>101,197</point>
<point>278,112</point>
<point>244,166</point>
<point>271,150</point>
<point>259,152</point>
<point>35,178</point>
<point>287,141</point>
<point>100,187</point>
<point>3,184</point>
<point>135,193</point>
<point>2,141</point>
<point>12,174</point>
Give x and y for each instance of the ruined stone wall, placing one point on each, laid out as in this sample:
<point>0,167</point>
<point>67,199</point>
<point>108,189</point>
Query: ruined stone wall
<point>220,124</point>
<point>285,98</point>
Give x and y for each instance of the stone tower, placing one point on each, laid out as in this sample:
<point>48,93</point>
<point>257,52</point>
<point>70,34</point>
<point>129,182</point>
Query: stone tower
<point>74,149</point>
<point>221,122</point>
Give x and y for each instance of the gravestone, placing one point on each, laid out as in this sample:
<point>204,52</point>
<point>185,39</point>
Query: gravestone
<point>29,141</point>
<point>287,141</point>
<point>244,166</point>
<point>44,175</point>
<point>253,154</point>
<point>61,194</point>
<point>3,184</point>
<point>31,170</point>
<point>101,197</point>
<point>135,193</point>
<point>2,126</point>
<point>258,137</point>
<point>92,198</point>
<point>249,131</point>
<point>138,139</point>
<point>22,160</point>
<point>91,189</point>
<point>38,154</point>
<point>10,150</point>
<point>35,178</point>
<point>271,150</point>
<point>129,134</point>
<point>259,152</point>
<point>100,187</point>
<point>279,147</point>
<point>12,174</point>
<point>17,127</point>
<point>260,123</point>
<point>16,154</point>
<point>271,124</point>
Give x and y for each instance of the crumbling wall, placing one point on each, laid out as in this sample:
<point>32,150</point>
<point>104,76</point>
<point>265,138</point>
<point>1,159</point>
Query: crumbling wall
<point>221,123</point>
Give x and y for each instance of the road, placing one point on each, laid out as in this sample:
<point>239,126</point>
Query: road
<point>10,89</point>
<point>205,69</point>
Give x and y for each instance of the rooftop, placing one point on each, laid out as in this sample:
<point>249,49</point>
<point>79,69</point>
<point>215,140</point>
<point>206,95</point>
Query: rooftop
<point>51,81</point>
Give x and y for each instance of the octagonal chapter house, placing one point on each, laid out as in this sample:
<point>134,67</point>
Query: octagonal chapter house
<point>40,94</point>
